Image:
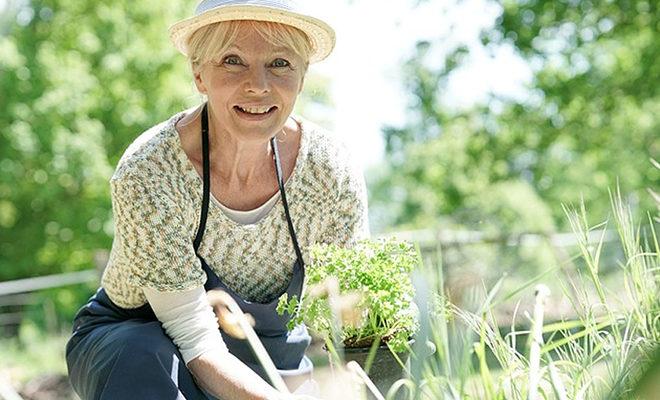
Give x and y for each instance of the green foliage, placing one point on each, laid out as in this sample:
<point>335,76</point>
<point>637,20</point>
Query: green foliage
<point>379,273</point>
<point>591,118</point>
<point>79,80</point>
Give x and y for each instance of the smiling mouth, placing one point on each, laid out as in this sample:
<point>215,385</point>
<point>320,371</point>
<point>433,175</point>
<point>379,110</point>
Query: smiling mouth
<point>255,110</point>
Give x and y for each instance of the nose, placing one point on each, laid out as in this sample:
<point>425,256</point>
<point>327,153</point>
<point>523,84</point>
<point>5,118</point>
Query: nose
<point>257,80</point>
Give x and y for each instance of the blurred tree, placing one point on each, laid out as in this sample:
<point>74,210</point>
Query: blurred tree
<point>79,80</point>
<point>592,116</point>
<point>599,76</point>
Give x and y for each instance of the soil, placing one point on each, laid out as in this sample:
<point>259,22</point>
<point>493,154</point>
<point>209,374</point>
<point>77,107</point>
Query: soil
<point>48,387</point>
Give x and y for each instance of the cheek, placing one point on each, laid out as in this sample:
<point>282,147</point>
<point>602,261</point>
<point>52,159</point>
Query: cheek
<point>222,82</point>
<point>221,87</point>
<point>289,85</point>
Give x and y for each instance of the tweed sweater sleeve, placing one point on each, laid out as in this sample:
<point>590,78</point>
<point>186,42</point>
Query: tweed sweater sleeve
<point>348,220</point>
<point>153,238</point>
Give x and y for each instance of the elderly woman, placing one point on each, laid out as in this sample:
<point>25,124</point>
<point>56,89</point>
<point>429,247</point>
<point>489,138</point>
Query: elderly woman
<point>227,195</point>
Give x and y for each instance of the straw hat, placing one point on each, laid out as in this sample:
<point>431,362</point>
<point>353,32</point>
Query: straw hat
<point>320,34</point>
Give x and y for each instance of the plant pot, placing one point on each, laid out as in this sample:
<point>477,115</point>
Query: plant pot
<point>384,370</point>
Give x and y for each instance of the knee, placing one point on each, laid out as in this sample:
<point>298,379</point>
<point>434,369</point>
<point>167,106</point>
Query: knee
<point>112,362</point>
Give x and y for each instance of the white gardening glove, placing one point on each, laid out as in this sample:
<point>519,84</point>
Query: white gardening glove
<point>310,388</point>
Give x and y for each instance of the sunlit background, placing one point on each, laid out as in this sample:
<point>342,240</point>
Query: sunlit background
<point>375,37</point>
<point>478,124</point>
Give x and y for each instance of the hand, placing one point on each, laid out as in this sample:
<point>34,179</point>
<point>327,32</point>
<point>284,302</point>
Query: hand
<point>307,391</point>
<point>308,388</point>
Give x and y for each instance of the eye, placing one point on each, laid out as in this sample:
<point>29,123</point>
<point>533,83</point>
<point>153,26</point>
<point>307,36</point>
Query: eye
<point>280,63</point>
<point>232,60</point>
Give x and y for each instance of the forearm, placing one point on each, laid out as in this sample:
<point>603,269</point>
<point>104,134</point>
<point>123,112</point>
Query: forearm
<point>226,377</point>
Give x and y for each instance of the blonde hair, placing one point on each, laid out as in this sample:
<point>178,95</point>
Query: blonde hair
<point>210,41</point>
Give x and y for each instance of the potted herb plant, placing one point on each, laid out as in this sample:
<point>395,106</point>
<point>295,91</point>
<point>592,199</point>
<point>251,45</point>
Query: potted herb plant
<point>361,298</point>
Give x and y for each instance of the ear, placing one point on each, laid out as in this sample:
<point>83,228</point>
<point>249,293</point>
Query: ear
<point>199,82</point>
<point>302,83</point>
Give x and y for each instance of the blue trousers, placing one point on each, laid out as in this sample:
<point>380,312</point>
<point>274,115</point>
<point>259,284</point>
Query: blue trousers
<point>114,356</point>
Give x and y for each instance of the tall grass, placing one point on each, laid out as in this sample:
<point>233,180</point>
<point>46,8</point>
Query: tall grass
<point>600,353</point>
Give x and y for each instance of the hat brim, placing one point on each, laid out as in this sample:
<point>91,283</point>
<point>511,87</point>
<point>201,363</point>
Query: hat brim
<point>320,34</point>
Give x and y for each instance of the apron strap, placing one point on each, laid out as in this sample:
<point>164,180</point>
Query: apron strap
<point>280,181</point>
<point>206,178</point>
<point>207,188</point>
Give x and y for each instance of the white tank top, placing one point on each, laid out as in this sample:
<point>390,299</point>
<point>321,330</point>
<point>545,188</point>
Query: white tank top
<point>250,216</point>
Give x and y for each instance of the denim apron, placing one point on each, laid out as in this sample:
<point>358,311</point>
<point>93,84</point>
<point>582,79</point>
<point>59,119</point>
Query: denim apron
<point>117,353</point>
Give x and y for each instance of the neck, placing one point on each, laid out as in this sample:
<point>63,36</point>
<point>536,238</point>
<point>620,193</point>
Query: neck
<point>238,161</point>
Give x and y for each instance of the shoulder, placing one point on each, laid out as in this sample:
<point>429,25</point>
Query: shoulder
<point>328,154</point>
<point>152,154</point>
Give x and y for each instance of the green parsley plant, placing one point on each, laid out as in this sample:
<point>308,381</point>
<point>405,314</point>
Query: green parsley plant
<point>380,272</point>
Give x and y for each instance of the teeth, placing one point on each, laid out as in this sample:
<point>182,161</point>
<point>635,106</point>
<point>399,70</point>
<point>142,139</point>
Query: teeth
<point>255,110</point>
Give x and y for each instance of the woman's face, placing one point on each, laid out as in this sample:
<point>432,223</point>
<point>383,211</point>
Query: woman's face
<point>252,87</point>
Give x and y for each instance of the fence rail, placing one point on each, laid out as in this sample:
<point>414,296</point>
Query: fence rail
<point>430,238</point>
<point>47,282</point>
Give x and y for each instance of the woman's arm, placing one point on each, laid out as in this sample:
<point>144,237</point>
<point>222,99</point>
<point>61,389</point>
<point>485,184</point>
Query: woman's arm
<point>188,319</point>
<point>226,377</point>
